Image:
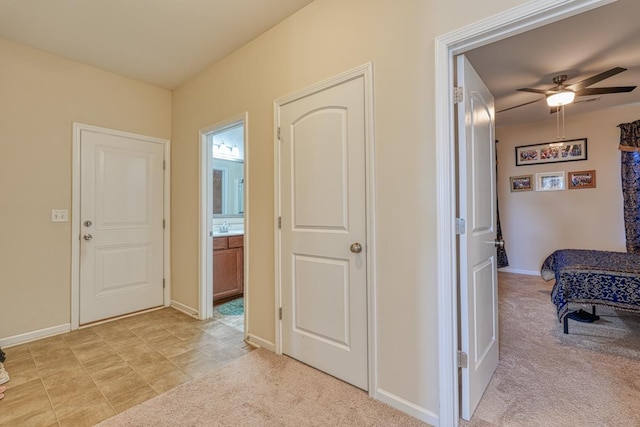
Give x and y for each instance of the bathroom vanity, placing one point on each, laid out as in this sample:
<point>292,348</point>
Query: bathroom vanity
<point>228,266</point>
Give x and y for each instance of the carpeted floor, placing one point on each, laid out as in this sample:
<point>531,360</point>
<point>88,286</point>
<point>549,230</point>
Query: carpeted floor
<point>590,377</point>
<point>263,389</point>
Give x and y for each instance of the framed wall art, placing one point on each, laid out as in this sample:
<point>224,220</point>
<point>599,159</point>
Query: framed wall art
<point>550,181</point>
<point>552,152</point>
<point>521,183</point>
<point>582,179</point>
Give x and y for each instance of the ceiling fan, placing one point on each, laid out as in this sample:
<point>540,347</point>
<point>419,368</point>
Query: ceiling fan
<point>563,94</point>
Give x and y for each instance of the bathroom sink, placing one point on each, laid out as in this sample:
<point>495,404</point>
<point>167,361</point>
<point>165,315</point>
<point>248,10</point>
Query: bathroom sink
<point>231,232</point>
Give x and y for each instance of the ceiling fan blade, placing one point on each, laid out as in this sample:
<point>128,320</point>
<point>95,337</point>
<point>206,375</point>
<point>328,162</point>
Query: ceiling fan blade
<point>518,106</point>
<point>604,90</point>
<point>595,79</point>
<point>540,91</point>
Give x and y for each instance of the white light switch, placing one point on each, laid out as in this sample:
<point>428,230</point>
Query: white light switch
<point>59,215</point>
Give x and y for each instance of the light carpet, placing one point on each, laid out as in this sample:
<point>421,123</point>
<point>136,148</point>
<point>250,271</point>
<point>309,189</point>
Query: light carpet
<point>263,389</point>
<point>590,377</point>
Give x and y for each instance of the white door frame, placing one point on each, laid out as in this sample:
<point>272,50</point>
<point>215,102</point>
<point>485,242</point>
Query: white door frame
<point>530,15</point>
<point>365,71</point>
<point>75,213</point>
<point>205,304</point>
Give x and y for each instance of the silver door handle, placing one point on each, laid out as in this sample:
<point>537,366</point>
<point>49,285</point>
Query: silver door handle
<point>88,237</point>
<point>498,243</point>
<point>356,248</point>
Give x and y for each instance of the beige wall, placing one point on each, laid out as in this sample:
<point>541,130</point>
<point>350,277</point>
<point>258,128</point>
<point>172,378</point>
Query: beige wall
<point>324,39</point>
<point>534,224</point>
<point>40,96</point>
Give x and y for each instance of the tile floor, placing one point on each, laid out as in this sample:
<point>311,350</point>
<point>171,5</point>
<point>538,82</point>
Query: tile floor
<point>83,377</point>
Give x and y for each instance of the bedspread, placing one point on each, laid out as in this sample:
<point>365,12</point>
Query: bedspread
<point>593,277</point>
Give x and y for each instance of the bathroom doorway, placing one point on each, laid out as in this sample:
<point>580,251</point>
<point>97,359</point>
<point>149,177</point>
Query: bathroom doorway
<point>223,254</point>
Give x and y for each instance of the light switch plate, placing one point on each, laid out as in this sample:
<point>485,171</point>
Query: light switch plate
<point>59,215</point>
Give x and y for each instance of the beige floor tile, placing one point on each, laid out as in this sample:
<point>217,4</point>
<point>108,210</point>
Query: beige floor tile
<point>125,399</point>
<point>63,371</point>
<point>81,336</point>
<point>85,376</point>
<point>24,402</point>
<point>88,401</point>
<point>111,373</point>
<point>166,340</point>
<point>103,363</point>
<point>168,380</point>
<point>135,351</point>
<point>44,346</point>
<point>88,352</point>
<point>18,352</point>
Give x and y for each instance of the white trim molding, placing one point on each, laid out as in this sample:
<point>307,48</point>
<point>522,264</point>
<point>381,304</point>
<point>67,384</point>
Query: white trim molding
<point>206,214</point>
<point>259,342</point>
<point>407,407</point>
<point>533,14</point>
<point>185,309</point>
<point>34,335</point>
<point>519,271</point>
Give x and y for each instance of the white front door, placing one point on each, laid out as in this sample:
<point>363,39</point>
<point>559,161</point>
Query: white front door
<point>477,206</point>
<point>323,232</point>
<point>121,224</point>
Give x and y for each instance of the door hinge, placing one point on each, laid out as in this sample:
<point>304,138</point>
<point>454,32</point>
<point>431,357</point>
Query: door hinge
<point>280,313</point>
<point>458,94</point>
<point>278,132</point>
<point>279,222</point>
<point>461,226</point>
<point>164,165</point>
<point>164,223</point>
<point>163,283</point>
<point>463,359</point>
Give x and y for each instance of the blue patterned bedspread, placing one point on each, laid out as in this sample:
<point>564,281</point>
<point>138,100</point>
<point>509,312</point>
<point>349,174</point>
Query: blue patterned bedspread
<point>593,277</point>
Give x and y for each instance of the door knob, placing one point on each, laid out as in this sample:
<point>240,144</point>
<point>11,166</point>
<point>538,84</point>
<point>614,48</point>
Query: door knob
<point>498,243</point>
<point>88,237</point>
<point>356,248</point>
<point>87,223</point>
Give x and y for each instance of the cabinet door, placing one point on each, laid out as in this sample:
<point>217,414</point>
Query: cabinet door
<point>227,273</point>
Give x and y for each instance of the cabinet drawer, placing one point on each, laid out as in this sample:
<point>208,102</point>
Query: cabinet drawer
<point>236,241</point>
<point>220,243</point>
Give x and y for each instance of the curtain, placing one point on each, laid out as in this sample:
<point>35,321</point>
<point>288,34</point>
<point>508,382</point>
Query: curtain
<point>503,261</point>
<point>630,170</point>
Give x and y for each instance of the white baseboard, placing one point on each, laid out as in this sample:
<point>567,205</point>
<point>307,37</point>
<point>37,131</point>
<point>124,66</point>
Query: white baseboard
<point>34,335</point>
<point>257,341</point>
<point>185,309</point>
<point>416,411</point>
<point>519,271</point>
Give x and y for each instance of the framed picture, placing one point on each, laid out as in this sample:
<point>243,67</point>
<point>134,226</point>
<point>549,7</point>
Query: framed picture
<point>521,183</point>
<point>552,152</point>
<point>582,179</point>
<point>550,181</point>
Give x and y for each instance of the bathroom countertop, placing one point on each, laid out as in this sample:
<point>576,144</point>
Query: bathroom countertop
<point>228,233</point>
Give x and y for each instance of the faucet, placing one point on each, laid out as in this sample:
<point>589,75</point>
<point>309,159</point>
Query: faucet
<point>224,227</point>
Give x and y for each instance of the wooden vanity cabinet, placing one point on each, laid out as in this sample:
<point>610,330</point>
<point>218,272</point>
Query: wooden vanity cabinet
<point>228,267</point>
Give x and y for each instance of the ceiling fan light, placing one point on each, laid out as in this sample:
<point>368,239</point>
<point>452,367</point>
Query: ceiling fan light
<point>560,98</point>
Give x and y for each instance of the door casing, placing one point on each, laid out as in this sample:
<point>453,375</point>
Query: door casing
<point>205,305</point>
<point>365,71</point>
<point>514,21</point>
<point>75,214</point>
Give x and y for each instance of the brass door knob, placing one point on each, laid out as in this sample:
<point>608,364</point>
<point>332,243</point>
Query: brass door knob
<point>356,248</point>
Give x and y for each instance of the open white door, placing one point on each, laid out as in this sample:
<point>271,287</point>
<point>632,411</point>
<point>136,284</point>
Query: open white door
<point>477,207</point>
<point>323,259</point>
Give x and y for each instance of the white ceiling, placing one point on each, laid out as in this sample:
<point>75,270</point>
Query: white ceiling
<point>162,42</point>
<point>581,46</point>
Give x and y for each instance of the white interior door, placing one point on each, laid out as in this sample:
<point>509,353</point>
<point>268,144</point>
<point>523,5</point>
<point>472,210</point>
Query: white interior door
<point>477,205</point>
<point>121,214</point>
<point>323,232</point>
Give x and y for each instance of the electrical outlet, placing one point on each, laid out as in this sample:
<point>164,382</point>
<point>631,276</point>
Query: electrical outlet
<point>59,215</point>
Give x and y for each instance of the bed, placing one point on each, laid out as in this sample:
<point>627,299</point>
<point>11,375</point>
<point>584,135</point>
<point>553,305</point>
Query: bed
<point>597,278</point>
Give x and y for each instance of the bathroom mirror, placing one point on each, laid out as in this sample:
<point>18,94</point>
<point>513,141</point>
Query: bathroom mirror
<point>228,188</point>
